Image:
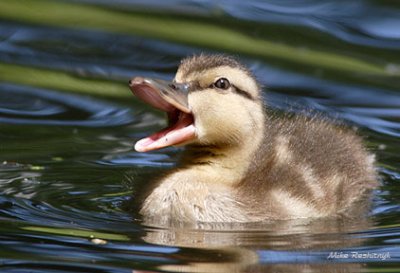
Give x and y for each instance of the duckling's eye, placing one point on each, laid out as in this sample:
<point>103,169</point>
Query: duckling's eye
<point>222,83</point>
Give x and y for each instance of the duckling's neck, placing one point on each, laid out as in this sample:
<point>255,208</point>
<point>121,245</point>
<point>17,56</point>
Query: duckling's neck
<point>228,161</point>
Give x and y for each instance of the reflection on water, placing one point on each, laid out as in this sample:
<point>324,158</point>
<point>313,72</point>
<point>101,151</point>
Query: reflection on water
<point>27,105</point>
<point>68,123</point>
<point>331,245</point>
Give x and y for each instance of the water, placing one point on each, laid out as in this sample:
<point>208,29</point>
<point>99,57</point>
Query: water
<point>68,123</point>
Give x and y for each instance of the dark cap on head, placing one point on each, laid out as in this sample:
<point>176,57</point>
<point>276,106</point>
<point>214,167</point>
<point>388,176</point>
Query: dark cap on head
<point>198,63</point>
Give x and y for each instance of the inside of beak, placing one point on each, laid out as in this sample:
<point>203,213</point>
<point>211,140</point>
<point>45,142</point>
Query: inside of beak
<point>173,99</point>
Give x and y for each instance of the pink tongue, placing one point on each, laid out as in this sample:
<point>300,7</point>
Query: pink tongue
<point>180,132</point>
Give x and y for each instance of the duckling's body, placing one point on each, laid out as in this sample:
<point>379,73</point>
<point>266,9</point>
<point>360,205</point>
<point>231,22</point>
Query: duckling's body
<point>242,163</point>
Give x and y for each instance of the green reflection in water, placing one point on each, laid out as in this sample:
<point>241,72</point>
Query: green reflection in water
<point>60,80</point>
<point>77,233</point>
<point>179,29</point>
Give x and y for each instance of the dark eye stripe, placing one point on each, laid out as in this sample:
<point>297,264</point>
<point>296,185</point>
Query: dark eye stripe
<point>242,93</point>
<point>195,87</point>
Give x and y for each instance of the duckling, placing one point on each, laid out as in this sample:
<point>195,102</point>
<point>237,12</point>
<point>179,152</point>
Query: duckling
<point>242,162</point>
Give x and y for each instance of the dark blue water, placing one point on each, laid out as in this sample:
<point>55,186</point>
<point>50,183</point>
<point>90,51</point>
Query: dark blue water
<point>68,123</point>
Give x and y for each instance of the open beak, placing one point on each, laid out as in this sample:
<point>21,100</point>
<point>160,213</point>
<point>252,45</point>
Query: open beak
<point>171,98</point>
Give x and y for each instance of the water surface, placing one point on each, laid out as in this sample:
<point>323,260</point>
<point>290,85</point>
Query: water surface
<point>68,123</point>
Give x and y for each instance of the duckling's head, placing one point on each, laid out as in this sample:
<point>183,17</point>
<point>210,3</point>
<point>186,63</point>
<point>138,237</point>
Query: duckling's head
<point>212,101</point>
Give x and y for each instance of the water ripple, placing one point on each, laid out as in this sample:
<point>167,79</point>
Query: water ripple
<point>29,105</point>
<point>137,159</point>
